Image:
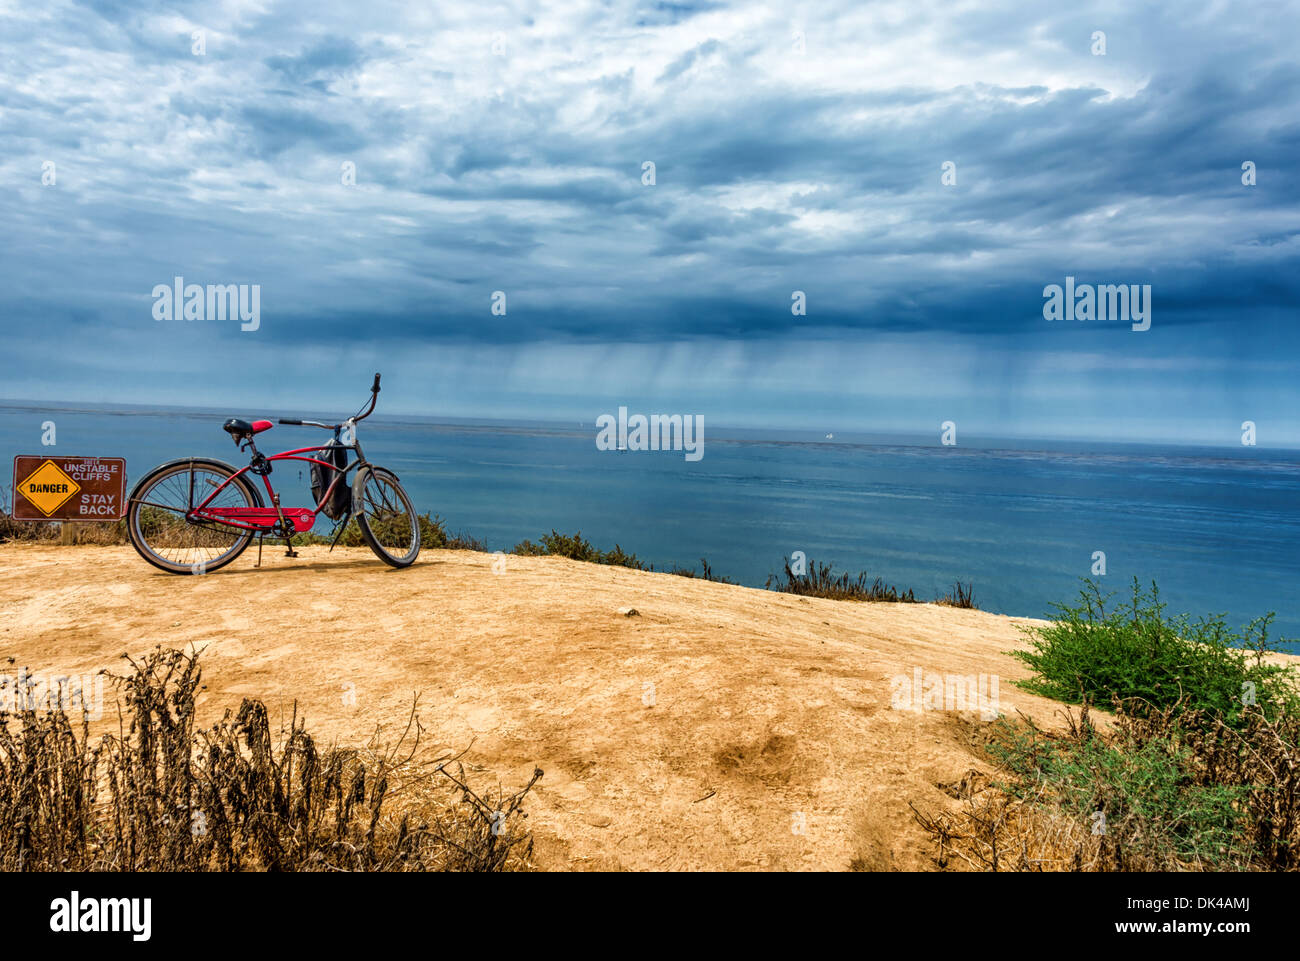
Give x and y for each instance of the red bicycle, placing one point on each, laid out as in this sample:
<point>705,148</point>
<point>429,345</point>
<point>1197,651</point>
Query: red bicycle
<point>197,514</point>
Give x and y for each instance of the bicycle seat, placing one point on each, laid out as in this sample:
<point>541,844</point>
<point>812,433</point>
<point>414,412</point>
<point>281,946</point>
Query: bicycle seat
<point>241,428</point>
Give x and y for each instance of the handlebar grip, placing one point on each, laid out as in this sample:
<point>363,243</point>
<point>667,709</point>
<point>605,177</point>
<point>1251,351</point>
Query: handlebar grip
<point>375,387</point>
<point>290,420</point>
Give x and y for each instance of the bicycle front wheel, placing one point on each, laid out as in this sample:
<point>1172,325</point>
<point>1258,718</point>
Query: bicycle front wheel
<point>386,517</point>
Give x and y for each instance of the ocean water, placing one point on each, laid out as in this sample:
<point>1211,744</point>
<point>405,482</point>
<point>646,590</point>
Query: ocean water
<point>1218,529</point>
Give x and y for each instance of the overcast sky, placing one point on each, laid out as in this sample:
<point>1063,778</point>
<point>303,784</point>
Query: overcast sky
<point>501,147</point>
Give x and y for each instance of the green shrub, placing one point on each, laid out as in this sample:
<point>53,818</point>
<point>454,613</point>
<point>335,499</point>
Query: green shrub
<point>1089,652</point>
<point>577,548</point>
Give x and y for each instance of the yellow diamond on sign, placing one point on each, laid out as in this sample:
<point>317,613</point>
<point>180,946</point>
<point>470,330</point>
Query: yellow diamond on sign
<point>48,488</point>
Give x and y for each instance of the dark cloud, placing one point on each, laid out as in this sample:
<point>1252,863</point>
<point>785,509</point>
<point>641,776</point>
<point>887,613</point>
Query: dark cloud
<point>328,59</point>
<point>271,130</point>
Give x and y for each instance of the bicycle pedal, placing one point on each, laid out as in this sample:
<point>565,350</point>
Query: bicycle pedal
<point>290,553</point>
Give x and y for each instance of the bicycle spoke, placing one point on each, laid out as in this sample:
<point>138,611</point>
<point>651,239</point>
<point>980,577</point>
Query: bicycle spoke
<point>389,517</point>
<point>164,530</point>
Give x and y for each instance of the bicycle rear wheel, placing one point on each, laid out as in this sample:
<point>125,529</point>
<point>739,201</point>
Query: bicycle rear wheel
<point>386,517</point>
<point>156,516</point>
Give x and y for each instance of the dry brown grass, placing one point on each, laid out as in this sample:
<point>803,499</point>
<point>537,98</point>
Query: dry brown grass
<point>1175,790</point>
<point>14,530</point>
<point>160,796</point>
<point>994,831</point>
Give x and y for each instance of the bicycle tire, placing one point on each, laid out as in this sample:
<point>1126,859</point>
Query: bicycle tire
<point>359,502</point>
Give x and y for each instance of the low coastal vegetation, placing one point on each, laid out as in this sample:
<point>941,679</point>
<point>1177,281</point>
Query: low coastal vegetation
<point>1098,652</point>
<point>820,581</point>
<point>433,533</point>
<point>577,548</point>
<point>706,573</point>
<point>1162,790</point>
<point>1198,769</point>
<point>159,795</point>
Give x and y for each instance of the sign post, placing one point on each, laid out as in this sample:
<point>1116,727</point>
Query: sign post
<point>69,488</point>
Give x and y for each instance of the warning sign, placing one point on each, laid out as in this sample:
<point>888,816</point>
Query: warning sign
<point>69,488</point>
<point>48,488</point>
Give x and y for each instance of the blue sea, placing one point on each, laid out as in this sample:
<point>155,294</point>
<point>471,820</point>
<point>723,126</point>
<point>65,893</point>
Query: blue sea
<point>1217,528</point>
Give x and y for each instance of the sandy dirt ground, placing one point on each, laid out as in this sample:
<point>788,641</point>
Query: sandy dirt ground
<point>717,728</point>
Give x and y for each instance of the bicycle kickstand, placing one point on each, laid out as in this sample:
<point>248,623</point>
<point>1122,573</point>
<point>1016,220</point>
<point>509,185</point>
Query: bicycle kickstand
<point>339,532</point>
<point>260,538</point>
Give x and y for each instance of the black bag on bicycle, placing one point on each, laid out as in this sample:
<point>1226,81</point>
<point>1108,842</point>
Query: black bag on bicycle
<point>340,501</point>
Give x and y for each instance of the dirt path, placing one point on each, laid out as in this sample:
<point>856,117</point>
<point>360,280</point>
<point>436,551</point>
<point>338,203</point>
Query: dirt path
<point>700,733</point>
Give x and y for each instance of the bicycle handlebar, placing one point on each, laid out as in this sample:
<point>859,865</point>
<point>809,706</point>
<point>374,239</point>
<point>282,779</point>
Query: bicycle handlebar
<point>294,421</point>
<point>374,396</point>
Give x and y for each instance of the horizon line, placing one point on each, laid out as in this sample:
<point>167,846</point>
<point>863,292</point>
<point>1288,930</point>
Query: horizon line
<point>454,420</point>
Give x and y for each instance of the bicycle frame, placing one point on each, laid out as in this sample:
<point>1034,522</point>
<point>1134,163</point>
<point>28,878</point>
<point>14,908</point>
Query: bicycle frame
<point>276,519</point>
<point>269,519</point>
